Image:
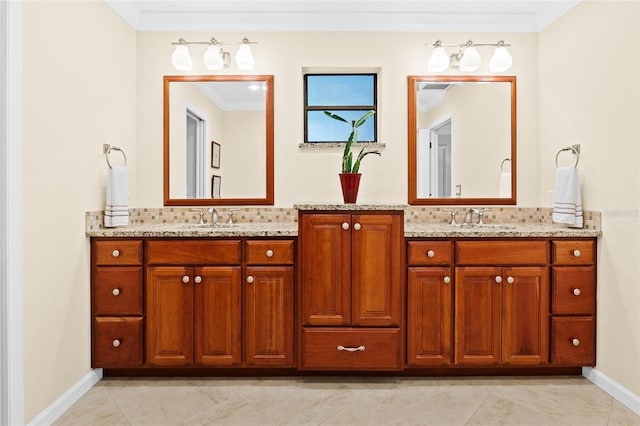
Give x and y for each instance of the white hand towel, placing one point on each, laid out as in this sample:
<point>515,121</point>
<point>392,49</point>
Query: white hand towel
<point>116,212</point>
<point>567,208</point>
<point>505,185</point>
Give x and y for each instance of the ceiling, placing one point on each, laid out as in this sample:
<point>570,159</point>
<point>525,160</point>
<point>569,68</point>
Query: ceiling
<point>345,15</point>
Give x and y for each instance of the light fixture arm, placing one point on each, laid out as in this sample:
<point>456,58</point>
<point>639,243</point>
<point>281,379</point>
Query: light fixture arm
<point>213,59</point>
<point>467,57</point>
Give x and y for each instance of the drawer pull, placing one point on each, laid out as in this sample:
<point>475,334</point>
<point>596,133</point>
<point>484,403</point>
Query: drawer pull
<point>198,279</point>
<point>345,225</point>
<point>185,279</point>
<point>575,342</point>
<point>447,280</point>
<point>576,292</point>
<point>115,253</point>
<point>115,291</point>
<point>431,253</point>
<point>498,279</point>
<point>269,253</point>
<point>343,348</point>
<point>250,279</point>
<point>576,253</point>
<point>510,280</point>
<point>357,226</point>
<point>116,343</point>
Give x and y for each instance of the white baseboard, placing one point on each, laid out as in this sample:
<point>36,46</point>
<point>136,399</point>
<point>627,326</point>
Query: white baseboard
<point>613,388</point>
<point>67,399</point>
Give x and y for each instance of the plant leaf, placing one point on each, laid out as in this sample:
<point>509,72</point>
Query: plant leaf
<point>364,118</point>
<point>335,116</point>
<point>362,154</point>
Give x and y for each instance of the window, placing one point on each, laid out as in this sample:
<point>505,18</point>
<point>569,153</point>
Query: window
<point>347,95</point>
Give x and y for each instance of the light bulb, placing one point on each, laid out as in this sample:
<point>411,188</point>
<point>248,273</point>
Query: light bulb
<point>244,57</point>
<point>439,60</point>
<point>470,60</point>
<point>181,59</point>
<point>501,60</point>
<point>212,58</point>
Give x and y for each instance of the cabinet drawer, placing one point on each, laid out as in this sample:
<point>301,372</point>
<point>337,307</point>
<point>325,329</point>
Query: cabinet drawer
<point>573,341</point>
<point>197,252</point>
<point>269,252</point>
<point>118,252</point>
<point>351,349</point>
<point>117,342</point>
<point>502,252</point>
<point>573,290</point>
<point>573,252</point>
<point>117,291</point>
<point>429,253</point>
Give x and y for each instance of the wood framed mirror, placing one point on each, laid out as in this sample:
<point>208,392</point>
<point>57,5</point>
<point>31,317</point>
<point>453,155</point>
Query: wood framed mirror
<point>218,126</point>
<point>462,140</point>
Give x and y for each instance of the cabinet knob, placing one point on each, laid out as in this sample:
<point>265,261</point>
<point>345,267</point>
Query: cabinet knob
<point>431,253</point>
<point>510,280</point>
<point>447,280</point>
<point>115,253</point>
<point>116,343</point>
<point>576,292</point>
<point>575,342</point>
<point>269,253</point>
<point>498,279</point>
<point>185,279</point>
<point>345,225</point>
<point>198,279</point>
<point>357,226</point>
<point>250,279</point>
<point>576,253</point>
<point>115,291</point>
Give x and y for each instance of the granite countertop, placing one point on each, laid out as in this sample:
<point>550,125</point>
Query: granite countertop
<point>290,229</point>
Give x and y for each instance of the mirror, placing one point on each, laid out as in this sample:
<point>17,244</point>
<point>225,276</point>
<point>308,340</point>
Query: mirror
<point>462,140</point>
<point>218,140</point>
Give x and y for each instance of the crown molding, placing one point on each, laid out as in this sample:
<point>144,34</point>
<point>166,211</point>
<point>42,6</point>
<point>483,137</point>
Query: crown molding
<point>348,15</point>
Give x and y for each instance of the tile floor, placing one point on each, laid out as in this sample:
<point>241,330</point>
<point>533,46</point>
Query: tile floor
<point>350,401</point>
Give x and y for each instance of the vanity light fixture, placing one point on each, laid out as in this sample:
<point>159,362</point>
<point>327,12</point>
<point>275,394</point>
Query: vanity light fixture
<point>215,57</point>
<point>467,58</point>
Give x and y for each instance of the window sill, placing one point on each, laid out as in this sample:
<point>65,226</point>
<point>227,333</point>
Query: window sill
<point>332,145</point>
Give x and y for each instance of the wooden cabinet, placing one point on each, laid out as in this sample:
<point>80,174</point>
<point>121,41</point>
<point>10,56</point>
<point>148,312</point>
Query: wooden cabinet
<point>116,303</point>
<point>193,312</point>
<point>268,305</point>
<point>429,303</point>
<point>573,303</point>
<point>351,269</point>
<point>501,312</point>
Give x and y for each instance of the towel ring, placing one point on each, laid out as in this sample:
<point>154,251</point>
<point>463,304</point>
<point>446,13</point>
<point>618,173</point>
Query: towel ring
<point>502,163</point>
<point>115,148</point>
<point>575,152</point>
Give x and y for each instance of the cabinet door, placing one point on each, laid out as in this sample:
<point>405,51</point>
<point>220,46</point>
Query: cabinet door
<point>169,321</point>
<point>377,275</point>
<point>429,316</point>
<point>269,316</point>
<point>525,315</point>
<point>217,315</point>
<point>325,268</point>
<point>477,322</point>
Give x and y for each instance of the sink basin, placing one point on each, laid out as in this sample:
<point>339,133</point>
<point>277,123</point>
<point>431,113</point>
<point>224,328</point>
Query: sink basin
<point>485,226</point>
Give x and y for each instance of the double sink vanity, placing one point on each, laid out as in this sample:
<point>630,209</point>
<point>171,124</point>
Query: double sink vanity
<point>348,288</point>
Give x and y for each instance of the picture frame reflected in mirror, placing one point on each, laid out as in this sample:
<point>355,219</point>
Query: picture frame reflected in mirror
<point>216,182</point>
<point>215,155</point>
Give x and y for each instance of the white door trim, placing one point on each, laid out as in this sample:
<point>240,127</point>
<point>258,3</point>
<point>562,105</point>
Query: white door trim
<point>11,339</point>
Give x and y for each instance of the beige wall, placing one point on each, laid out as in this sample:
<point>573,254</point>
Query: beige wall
<point>312,175</point>
<point>590,94</point>
<point>79,91</point>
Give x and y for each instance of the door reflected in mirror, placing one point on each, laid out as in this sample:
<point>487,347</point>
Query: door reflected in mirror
<point>218,126</point>
<point>461,131</point>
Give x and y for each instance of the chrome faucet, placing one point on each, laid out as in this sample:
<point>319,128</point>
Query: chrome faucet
<point>215,217</point>
<point>468,217</point>
<point>230,221</point>
<point>201,213</point>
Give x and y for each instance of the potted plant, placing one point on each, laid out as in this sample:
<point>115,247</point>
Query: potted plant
<point>350,176</point>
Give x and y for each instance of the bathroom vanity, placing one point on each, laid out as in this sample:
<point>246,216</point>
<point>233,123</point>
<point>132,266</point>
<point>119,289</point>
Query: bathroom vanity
<point>345,288</point>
